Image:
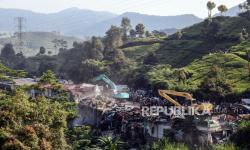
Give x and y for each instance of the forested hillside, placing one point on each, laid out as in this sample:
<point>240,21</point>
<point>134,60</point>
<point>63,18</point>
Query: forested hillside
<point>182,61</point>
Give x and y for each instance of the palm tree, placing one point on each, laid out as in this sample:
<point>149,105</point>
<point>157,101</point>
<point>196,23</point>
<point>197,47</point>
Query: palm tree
<point>210,6</point>
<point>109,143</point>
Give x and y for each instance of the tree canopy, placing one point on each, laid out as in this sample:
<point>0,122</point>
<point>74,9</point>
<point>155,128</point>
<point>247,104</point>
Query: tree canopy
<point>222,9</point>
<point>210,6</point>
<point>140,29</point>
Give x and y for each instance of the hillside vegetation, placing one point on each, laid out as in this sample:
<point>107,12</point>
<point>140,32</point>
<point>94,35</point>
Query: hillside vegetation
<point>209,56</point>
<point>201,39</point>
<point>235,70</point>
<point>197,50</point>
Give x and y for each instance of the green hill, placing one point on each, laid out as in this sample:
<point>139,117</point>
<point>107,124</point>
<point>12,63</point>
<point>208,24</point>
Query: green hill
<point>196,41</point>
<point>234,67</point>
<point>201,39</point>
<point>199,49</point>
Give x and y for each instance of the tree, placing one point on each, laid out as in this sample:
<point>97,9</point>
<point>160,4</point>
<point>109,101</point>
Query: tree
<point>215,86</point>
<point>245,10</point>
<point>91,68</point>
<point>96,52</point>
<point>43,122</point>
<point>245,6</point>
<point>140,29</point>
<point>6,73</point>
<point>60,43</point>
<point>97,43</point>
<point>48,78</point>
<point>126,26</point>
<point>150,59</point>
<point>148,34</point>
<point>210,6</point>
<point>8,56</point>
<point>119,58</point>
<point>8,51</point>
<point>109,143</point>
<point>80,137</point>
<point>239,138</point>
<point>42,50</point>
<point>159,33</point>
<point>210,30</point>
<point>113,37</point>
<point>132,33</point>
<point>222,9</point>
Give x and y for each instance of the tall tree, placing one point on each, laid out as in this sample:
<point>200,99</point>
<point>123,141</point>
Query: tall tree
<point>132,33</point>
<point>140,29</point>
<point>148,34</point>
<point>96,51</point>
<point>113,37</point>
<point>126,26</point>
<point>222,9</point>
<point>210,6</point>
<point>8,51</point>
<point>8,55</point>
<point>48,77</point>
<point>42,50</point>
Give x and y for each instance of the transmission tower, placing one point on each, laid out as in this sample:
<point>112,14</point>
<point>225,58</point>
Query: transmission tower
<point>20,21</point>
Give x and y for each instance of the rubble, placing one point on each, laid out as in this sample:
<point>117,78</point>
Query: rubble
<point>115,117</point>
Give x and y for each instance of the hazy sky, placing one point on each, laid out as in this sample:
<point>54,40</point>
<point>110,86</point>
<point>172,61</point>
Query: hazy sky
<point>154,7</point>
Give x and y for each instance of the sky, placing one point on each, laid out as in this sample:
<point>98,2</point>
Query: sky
<point>151,7</point>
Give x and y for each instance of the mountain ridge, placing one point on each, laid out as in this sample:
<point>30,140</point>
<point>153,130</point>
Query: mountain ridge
<point>83,22</point>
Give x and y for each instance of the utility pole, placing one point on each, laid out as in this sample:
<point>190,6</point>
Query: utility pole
<point>20,25</point>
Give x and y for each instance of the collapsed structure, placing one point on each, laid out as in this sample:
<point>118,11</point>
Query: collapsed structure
<point>98,107</point>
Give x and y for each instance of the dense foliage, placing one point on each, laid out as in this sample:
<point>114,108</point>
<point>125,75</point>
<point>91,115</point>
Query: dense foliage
<point>31,123</point>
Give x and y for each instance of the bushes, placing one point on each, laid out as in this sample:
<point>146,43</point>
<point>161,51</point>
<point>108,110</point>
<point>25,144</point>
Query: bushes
<point>29,124</point>
<point>242,136</point>
<point>14,144</point>
<point>163,76</point>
